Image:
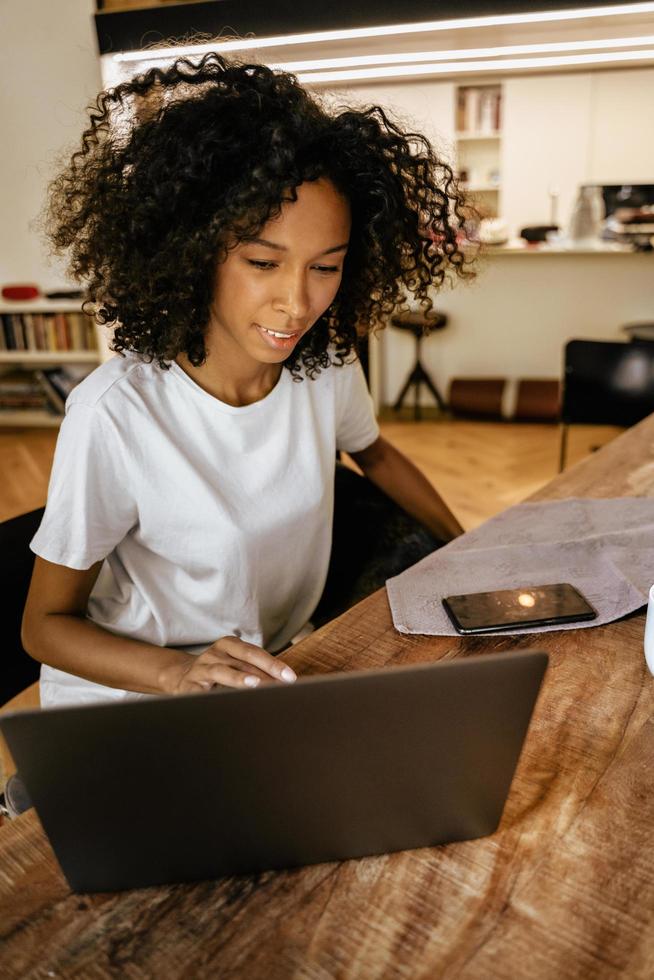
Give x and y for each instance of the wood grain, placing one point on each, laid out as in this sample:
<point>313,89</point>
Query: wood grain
<point>564,888</point>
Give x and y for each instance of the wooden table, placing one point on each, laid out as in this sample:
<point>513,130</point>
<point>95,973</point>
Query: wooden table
<point>564,889</point>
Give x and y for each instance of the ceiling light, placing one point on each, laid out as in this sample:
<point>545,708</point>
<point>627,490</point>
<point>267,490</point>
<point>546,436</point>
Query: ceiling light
<point>458,53</point>
<point>465,67</point>
<point>459,23</point>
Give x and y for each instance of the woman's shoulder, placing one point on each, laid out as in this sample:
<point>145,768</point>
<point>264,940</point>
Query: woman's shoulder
<point>107,383</point>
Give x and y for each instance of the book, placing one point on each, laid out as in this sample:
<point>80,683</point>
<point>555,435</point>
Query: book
<point>28,327</point>
<point>63,379</point>
<point>77,333</point>
<point>91,335</point>
<point>50,332</point>
<point>39,331</point>
<point>56,402</point>
<point>19,389</point>
<point>62,340</point>
<point>19,334</point>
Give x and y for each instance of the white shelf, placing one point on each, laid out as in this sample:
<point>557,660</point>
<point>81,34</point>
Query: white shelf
<point>41,306</point>
<point>495,135</point>
<point>28,417</point>
<point>36,357</point>
<point>481,188</point>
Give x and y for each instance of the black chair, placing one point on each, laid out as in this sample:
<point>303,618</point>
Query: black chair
<point>420,325</point>
<point>19,670</point>
<point>606,383</point>
<point>373,539</point>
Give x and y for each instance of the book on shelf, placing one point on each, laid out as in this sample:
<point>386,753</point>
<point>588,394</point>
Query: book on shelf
<point>63,379</point>
<point>19,389</point>
<point>51,392</point>
<point>45,389</point>
<point>478,110</point>
<point>49,332</point>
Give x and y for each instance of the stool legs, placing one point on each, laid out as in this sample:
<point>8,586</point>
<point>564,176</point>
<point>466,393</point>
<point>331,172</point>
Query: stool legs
<point>417,377</point>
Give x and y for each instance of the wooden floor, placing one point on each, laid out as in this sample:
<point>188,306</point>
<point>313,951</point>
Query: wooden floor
<point>478,467</point>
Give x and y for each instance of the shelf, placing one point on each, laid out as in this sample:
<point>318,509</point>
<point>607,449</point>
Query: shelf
<point>495,135</point>
<point>36,357</point>
<point>41,306</point>
<point>28,417</point>
<point>481,188</point>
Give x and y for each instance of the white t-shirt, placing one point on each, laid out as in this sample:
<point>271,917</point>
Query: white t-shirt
<point>211,519</point>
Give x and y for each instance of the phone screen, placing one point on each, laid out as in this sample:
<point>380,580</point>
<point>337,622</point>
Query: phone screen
<point>541,605</point>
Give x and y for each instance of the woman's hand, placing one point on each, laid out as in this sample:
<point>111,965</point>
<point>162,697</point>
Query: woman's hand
<point>229,662</point>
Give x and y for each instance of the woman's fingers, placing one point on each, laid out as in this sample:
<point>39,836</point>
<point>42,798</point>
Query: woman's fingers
<point>231,662</point>
<point>223,675</point>
<point>248,654</point>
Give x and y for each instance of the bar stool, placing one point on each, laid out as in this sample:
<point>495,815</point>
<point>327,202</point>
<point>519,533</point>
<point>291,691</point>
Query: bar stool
<point>418,324</point>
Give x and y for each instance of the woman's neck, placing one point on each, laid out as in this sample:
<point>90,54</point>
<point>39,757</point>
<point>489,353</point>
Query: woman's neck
<point>233,388</point>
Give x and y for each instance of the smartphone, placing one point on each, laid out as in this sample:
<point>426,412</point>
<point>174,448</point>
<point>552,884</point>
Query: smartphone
<point>540,605</point>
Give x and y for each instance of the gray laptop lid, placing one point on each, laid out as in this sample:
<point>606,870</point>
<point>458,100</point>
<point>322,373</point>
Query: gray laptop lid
<point>335,766</point>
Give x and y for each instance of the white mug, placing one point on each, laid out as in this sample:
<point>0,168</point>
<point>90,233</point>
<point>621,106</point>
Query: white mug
<point>649,632</point>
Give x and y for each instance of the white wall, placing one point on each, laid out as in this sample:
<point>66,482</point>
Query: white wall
<point>515,319</point>
<point>49,71</point>
<point>572,129</point>
<point>545,143</point>
<point>622,130</point>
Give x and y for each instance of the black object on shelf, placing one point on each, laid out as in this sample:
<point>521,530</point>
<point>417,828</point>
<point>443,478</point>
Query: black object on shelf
<point>419,324</point>
<point>537,233</point>
<point>65,294</point>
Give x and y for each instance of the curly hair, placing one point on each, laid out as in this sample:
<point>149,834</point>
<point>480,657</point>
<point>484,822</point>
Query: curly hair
<point>152,202</point>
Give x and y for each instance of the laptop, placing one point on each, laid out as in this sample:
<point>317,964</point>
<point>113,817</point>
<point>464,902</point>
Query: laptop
<point>337,766</point>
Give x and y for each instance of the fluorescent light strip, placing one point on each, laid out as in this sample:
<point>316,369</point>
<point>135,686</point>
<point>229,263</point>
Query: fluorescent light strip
<point>458,53</point>
<point>461,23</point>
<point>465,67</point>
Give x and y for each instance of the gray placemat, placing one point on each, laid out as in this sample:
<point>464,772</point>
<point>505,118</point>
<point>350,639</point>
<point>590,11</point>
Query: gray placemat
<point>603,547</point>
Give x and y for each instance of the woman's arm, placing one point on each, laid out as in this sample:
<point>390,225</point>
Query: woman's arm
<point>393,473</point>
<point>56,632</point>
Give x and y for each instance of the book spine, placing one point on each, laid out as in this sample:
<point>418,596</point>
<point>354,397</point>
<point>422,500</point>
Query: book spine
<point>11,334</point>
<point>55,401</point>
<point>50,332</point>
<point>39,331</point>
<point>76,331</point>
<point>472,110</point>
<point>91,334</point>
<point>61,340</point>
<point>28,325</point>
<point>19,331</point>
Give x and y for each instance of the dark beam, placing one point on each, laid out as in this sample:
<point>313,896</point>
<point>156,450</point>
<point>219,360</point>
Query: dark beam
<point>130,30</point>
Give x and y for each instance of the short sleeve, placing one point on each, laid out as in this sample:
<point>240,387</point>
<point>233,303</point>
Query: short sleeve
<point>357,426</point>
<point>90,507</point>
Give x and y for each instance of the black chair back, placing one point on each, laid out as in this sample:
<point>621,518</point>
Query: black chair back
<point>607,383</point>
<point>18,669</point>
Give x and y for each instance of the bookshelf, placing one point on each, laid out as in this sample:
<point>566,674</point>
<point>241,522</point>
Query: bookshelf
<point>42,336</point>
<point>478,135</point>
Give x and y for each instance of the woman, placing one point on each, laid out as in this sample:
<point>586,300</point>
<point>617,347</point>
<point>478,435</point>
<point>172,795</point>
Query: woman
<point>237,235</point>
